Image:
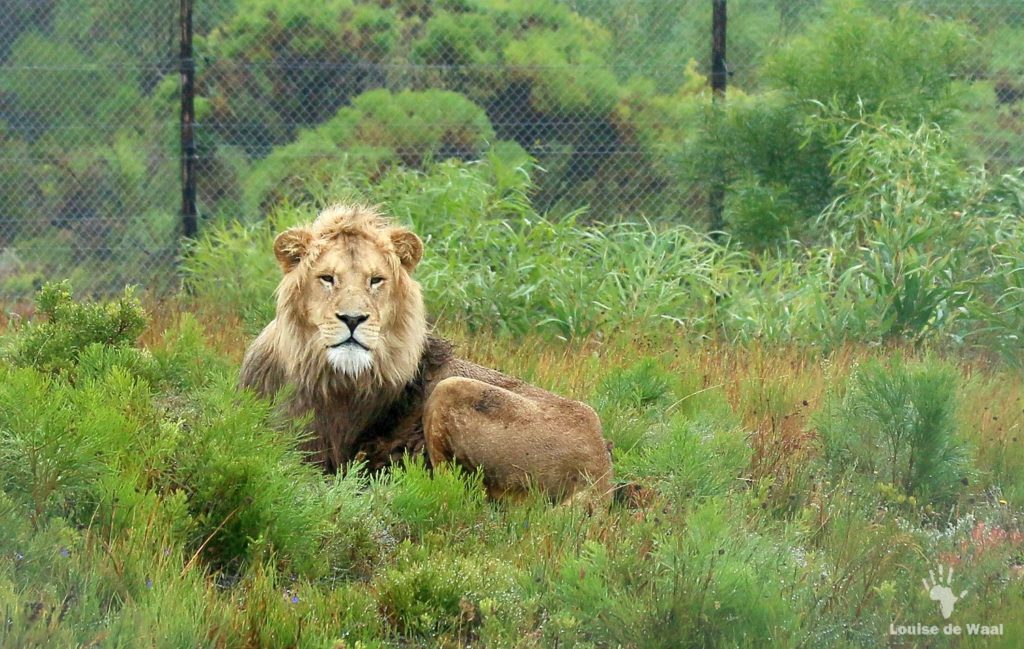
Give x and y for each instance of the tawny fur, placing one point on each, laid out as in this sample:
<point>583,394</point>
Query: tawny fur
<point>416,397</point>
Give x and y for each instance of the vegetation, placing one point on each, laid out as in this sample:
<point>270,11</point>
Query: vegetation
<point>769,495</point>
<point>936,263</point>
<point>360,87</point>
<point>808,411</point>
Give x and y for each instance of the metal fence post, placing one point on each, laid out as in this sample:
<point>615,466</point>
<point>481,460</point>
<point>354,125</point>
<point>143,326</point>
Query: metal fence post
<point>188,114</point>
<point>719,79</point>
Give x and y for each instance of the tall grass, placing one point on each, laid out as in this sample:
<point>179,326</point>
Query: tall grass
<point>917,249</point>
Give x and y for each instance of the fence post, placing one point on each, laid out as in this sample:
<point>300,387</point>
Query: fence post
<point>719,79</point>
<point>188,115</point>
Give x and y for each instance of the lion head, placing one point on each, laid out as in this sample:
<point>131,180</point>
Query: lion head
<point>353,313</point>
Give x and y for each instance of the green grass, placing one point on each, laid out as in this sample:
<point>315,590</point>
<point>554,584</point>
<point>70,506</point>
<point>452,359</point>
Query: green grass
<point>145,502</point>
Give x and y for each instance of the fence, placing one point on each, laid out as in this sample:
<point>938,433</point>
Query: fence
<point>599,92</point>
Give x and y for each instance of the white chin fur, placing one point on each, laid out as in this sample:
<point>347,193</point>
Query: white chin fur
<point>350,359</point>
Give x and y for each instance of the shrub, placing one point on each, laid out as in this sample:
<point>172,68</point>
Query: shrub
<point>925,230</point>
<point>425,500</point>
<point>774,164</point>
<point>439,595</point>
<point>481,232</point>
<point>892,60</point>
<point>109,430</point>
<point>709,584</point>
<point>898,424</point>
<point>71,328</point>
<point>379,130</point>
<point>278,66</point>
<point>688,459</point>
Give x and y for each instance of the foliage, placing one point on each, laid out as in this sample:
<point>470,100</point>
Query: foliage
<point>67,179</point>
<point>637,272</point>
<point>891,60</point>
<point>355,90</point>
<point>770,151</point>
<point>71,329</point>
<point>517,62</point>
<point>144,498</point>
<point>925,229</point>
<point>426,499</point>
<point>908,272</point>
<point>113,433</point>
<point>379,130</point>
<point>783,467</point>
<point>899,423</point>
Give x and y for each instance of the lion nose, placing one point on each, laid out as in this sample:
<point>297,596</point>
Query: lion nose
<point>352,320</point>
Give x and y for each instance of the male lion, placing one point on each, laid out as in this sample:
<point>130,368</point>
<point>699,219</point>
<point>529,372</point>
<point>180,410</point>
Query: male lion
<point>350,339</point>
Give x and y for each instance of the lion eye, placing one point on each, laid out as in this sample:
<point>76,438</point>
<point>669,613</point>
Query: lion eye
<point>376,280</point>
<point>328,279</point>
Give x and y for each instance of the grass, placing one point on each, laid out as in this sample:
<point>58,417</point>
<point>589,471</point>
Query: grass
<point>145,503</point>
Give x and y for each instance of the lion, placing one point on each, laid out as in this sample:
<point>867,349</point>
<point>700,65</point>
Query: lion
<point>351,343</point>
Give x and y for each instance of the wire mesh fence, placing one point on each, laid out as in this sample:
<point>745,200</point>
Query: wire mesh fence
<point>608,96</point>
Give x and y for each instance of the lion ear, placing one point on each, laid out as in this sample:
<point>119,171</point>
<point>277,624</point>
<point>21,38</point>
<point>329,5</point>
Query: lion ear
<point>291,246</point>
<point>408,247</point>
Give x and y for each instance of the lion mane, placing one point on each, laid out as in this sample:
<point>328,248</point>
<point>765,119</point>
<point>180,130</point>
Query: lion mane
<point>375,416</point>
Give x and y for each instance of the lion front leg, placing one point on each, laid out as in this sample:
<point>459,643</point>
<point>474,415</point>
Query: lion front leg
<point>519,441</point>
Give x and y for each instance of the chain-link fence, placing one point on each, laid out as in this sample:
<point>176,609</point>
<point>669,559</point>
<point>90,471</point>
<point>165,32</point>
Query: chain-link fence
<point>608,96</point>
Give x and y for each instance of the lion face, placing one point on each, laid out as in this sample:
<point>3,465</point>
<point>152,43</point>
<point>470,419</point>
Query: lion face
<point>348,299</point>
<point>347,289</point>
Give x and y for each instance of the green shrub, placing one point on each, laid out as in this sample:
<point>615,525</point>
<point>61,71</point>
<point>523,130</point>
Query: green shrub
<point>71,328</point>
<point>379,130</point>
<point>774,169</point>
<point>424,500</point>
<point>442,596</point>
<point>710,584</point>
<point>926,231</point>
<point>119,429</point>
<point>481,232</point>
<point>760,215</point>
<point>889,59</point>
<point>256,105</point>
<point>646,384</point>
<point>277,66</point>
<point>631,403</point>
<point>898,425</point>
<point>774,163</point>
<point>688,459</point>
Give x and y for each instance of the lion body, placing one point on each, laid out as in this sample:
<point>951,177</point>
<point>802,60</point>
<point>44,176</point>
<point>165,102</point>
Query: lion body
<point>385,387</point>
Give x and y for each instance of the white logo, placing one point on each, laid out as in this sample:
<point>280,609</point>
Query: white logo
<point>941,590</point>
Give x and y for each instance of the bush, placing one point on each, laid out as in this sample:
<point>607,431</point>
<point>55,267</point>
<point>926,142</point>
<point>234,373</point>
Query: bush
<point>924,230</point>
<point>689,459</point>
<point>518,62</point>
<point>109,429</point>
<point>378,131</point>
<point>71,328</point>
<point>911,273</point>
<point>445,597</point>
<point>278,65</point>
<point>481,232</point>
<point>774,162</point>
<point>898,424</point>
<point>709,584</point>
<point>890,59</point>
<point>424,500</point>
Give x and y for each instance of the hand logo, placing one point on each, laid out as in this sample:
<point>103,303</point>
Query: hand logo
<point>941,591</point>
